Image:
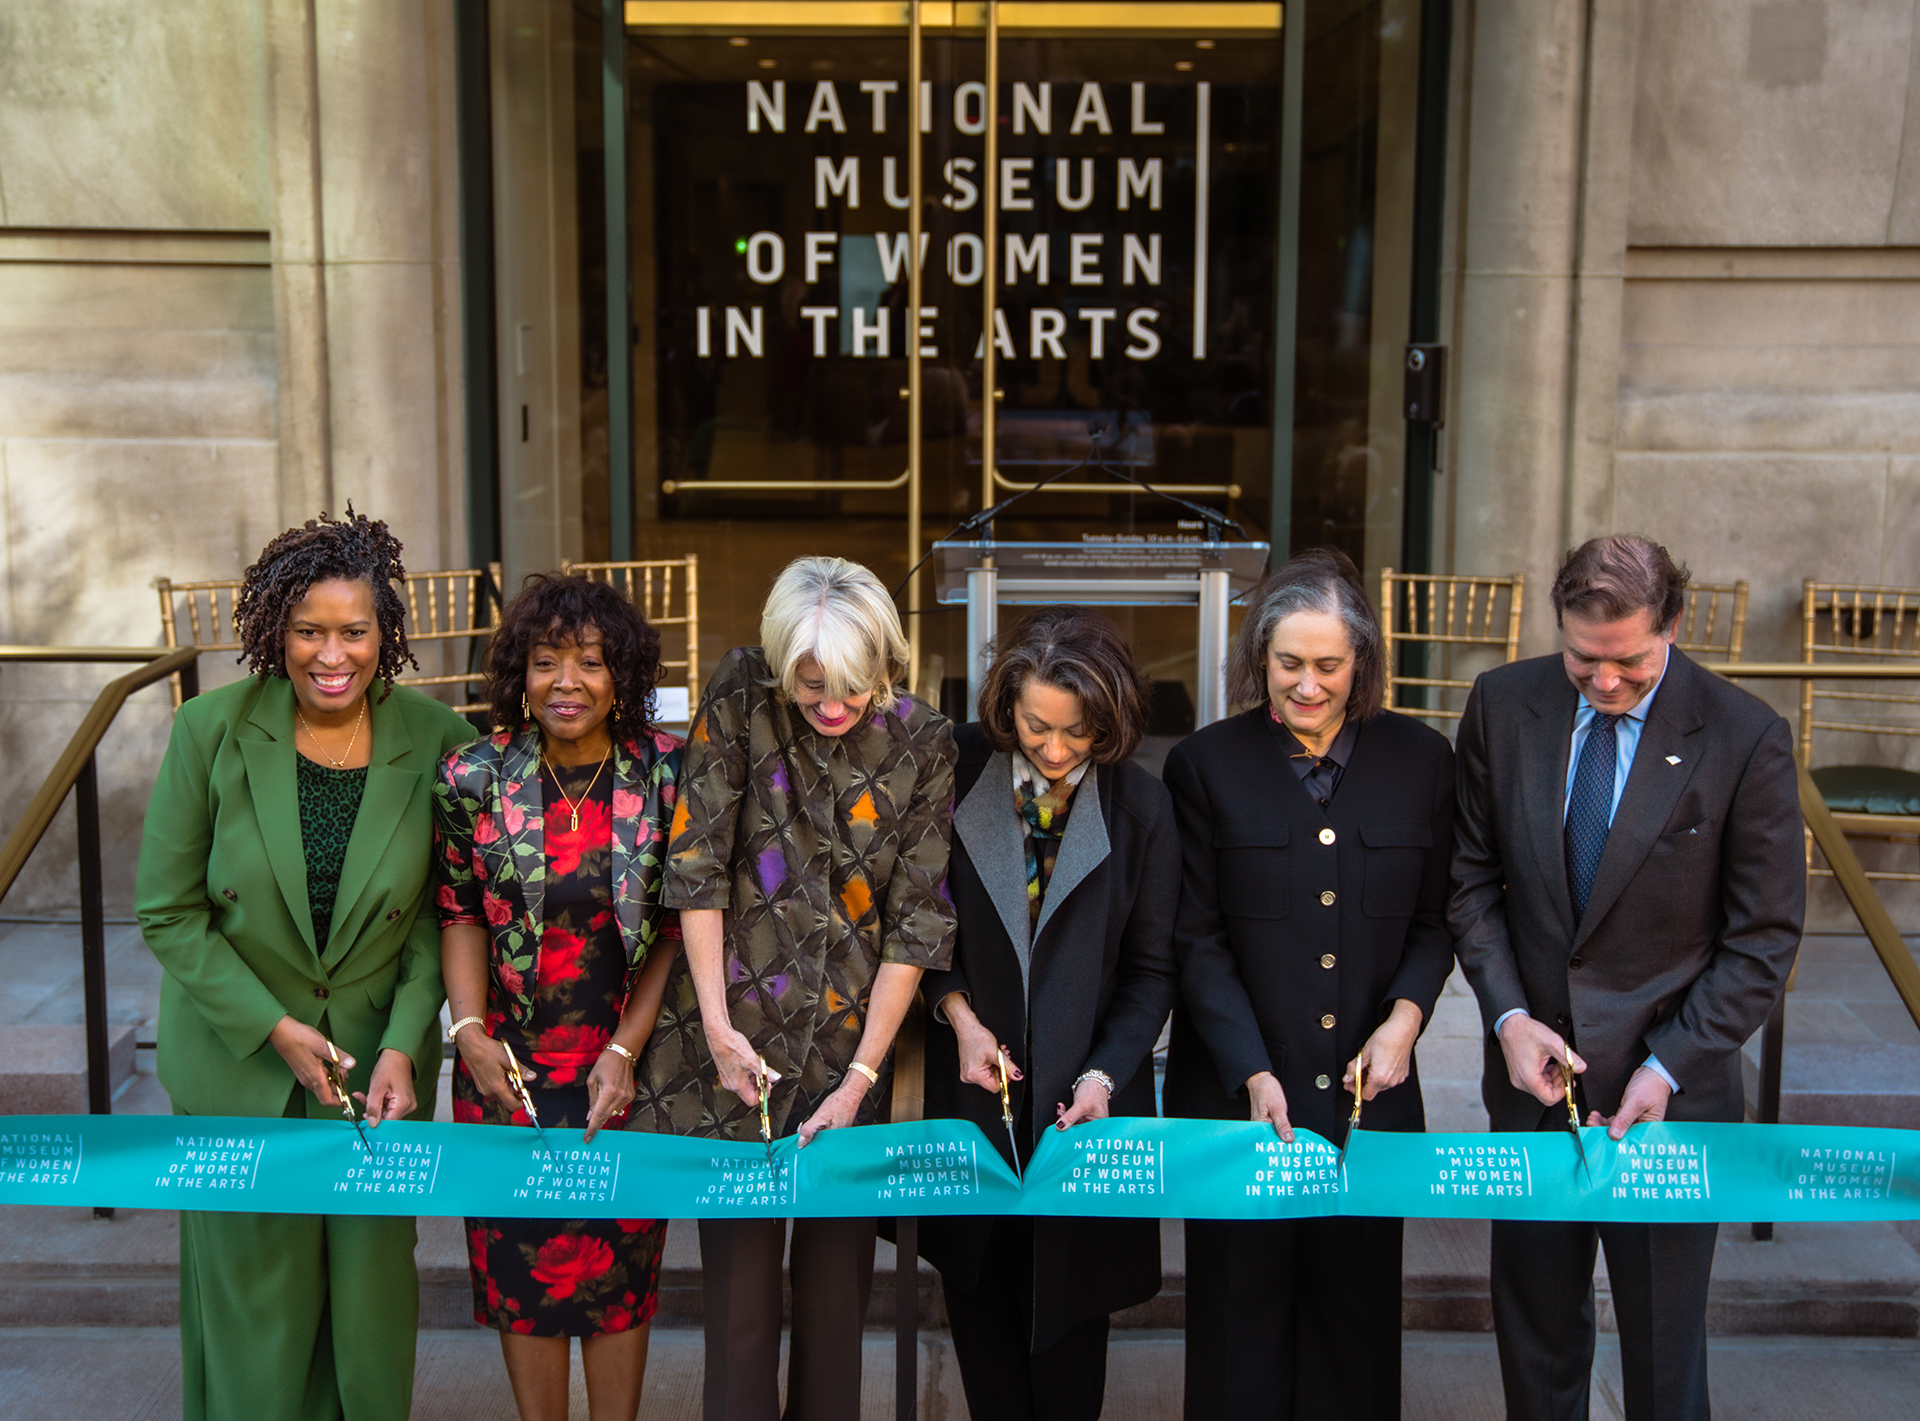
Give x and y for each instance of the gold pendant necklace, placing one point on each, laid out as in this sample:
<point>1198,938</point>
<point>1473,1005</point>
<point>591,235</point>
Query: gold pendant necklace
<point>573,808</point>
<point>341,763</point>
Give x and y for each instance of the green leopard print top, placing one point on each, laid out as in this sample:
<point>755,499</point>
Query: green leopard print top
<point>329,803</point>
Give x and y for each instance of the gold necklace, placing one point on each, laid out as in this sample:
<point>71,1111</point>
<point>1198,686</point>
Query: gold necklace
<point>341,763</point>
<point>573,818</point>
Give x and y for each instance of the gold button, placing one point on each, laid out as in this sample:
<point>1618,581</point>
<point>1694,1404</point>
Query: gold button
<point>1326,899</point>
<point>1327,1021</point>
<point>1326,836</point>
<point>1326,959</point>
<point>1322,1081</point>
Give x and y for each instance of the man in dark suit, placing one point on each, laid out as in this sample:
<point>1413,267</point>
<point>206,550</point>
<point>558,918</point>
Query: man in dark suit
<point>1628,887</point>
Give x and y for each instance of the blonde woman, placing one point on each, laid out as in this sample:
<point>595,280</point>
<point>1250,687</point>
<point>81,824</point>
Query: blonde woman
<point>807,861</point>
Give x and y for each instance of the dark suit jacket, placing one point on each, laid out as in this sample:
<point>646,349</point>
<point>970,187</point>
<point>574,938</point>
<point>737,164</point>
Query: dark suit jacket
<point>221,894</point>
<point>1695,913</point>
<point>1291,915</point>
<point>1096,992</point>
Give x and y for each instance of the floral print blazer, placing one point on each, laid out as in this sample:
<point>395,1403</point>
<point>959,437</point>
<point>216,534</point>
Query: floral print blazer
<point>490,845</point>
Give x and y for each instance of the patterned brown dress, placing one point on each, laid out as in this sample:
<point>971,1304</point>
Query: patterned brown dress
<point>544,1277</point>
<point>829,854</point>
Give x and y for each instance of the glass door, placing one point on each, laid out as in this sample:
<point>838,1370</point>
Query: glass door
<point>889,264</point>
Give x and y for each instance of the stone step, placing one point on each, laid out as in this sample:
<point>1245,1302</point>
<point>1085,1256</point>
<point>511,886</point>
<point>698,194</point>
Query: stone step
<point>1870,1083</point>
<point>63,1268</point>
<point>43,1066</point>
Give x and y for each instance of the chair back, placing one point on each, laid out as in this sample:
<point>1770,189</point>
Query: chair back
<point>460,605</point>
<point>667,592</point>
<point>1467,624</point>
<point>202,612</point>
<point>1713,623</point>
<point>1849,623</point>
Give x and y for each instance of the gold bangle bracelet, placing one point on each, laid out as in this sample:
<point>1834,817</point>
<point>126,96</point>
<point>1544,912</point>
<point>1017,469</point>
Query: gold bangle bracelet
<point>617,1048</point>
<point>453,1032</point>
<point>873,1076</point>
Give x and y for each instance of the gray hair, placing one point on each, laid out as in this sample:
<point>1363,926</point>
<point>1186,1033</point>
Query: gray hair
<point>1317,580</point>
<point>837,613</point>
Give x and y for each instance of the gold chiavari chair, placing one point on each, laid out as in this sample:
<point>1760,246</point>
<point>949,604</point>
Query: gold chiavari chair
<point>1862,729</point>
<point>1469,624</point>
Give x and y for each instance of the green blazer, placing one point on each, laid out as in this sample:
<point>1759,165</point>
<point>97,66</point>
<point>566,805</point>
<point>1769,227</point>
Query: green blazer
<point>221,895</point>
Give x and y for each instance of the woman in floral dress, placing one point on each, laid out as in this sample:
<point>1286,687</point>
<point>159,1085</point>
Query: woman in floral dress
<point>554,946</point>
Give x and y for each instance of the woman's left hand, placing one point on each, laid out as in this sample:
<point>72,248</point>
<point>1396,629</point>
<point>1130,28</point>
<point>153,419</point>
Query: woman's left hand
<point>1388,1055</point>
<point>609,1091</point>
<point>1090,1102</point>
<point>389,1095</point>
<point>838,1110</point>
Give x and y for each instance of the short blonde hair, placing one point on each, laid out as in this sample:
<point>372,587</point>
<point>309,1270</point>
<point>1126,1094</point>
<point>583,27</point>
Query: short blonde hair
<point>837,613</point>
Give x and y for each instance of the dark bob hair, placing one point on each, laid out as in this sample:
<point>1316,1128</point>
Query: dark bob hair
<point>554,609</point>
<point>351,549</point>
<point>1073,650</point>
<point>1605,579</point>
<point>1317,580</point>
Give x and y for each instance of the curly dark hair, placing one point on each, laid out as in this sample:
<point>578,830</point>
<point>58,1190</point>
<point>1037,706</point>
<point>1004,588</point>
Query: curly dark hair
<point>350,549</point>
<point>1074,650</point>
<point>553,609</point>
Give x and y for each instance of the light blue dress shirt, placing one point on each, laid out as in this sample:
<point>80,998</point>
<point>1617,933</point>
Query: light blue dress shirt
<point>1627,733</point>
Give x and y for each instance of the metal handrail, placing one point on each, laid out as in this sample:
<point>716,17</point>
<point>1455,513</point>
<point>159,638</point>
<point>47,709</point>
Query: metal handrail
<point>75,759</point>
<point>77,770</point>
<point>1847,870</point>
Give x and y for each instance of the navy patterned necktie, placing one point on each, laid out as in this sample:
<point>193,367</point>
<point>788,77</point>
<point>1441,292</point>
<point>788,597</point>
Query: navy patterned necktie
<point>1590,808</point>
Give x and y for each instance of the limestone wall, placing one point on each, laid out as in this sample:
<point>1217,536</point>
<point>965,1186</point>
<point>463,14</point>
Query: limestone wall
<point>228,300</point>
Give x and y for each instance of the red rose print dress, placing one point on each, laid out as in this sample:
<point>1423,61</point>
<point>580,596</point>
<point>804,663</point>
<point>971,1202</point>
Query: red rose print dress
<point>549,1277</point>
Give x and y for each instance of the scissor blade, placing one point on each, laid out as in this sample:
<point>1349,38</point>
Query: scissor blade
<point>1013,1144</point>
<point>1580,1147</point>
<point>365,1143</point>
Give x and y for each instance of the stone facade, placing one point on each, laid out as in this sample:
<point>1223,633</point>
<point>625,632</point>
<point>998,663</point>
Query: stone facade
<point>228,298</point>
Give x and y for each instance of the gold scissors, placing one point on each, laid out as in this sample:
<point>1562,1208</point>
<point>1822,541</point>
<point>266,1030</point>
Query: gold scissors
<point>1573,1115</point>
<point>1006,1110</point>
<point>337,1078</point>
<point>763,1079</point>
<point>519,1084</point>
<point>1353,1120</point>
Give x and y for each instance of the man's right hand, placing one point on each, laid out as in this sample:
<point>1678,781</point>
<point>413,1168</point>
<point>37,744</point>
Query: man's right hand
<point>1536,1057</point>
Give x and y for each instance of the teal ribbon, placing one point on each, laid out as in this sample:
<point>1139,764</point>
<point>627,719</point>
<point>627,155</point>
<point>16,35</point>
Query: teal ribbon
<point>1136,1168</point>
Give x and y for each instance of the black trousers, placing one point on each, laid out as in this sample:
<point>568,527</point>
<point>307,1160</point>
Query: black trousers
<point>1005,1379</point>
<point>1542,1275</point>
<point>1293,1319</point>
<point>831,1273</point>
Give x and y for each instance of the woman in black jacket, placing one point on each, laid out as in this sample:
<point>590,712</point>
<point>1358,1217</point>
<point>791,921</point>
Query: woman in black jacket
<point>1065,875</point>
<point>1315,832</point>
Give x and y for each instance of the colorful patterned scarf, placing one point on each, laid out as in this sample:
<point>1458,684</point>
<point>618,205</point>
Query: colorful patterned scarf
<point>1046,820</point>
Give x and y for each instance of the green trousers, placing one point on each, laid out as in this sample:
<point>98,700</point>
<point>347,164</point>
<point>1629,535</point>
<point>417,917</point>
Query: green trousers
<point>297,1317</point>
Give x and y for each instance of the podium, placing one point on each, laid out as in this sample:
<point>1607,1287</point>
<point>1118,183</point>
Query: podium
<point>1124,570</point>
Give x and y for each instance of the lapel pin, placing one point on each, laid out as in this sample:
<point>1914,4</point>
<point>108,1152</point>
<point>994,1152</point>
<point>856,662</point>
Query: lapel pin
<point>1673,759</point>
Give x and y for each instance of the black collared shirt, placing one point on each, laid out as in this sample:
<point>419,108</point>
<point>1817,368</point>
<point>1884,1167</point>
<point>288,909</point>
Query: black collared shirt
<point>1320,774</point>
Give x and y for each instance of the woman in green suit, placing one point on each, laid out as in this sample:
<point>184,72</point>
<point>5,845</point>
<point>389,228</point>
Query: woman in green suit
<point>284,884</point>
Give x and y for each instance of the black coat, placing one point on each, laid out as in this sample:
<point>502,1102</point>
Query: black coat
<point>1097,992</point>
<point>1299,926</point>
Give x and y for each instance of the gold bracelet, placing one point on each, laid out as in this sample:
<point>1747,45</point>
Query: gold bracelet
<point>617,1048</point>
<point>453,1032</point>
<point>873,1076</point>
